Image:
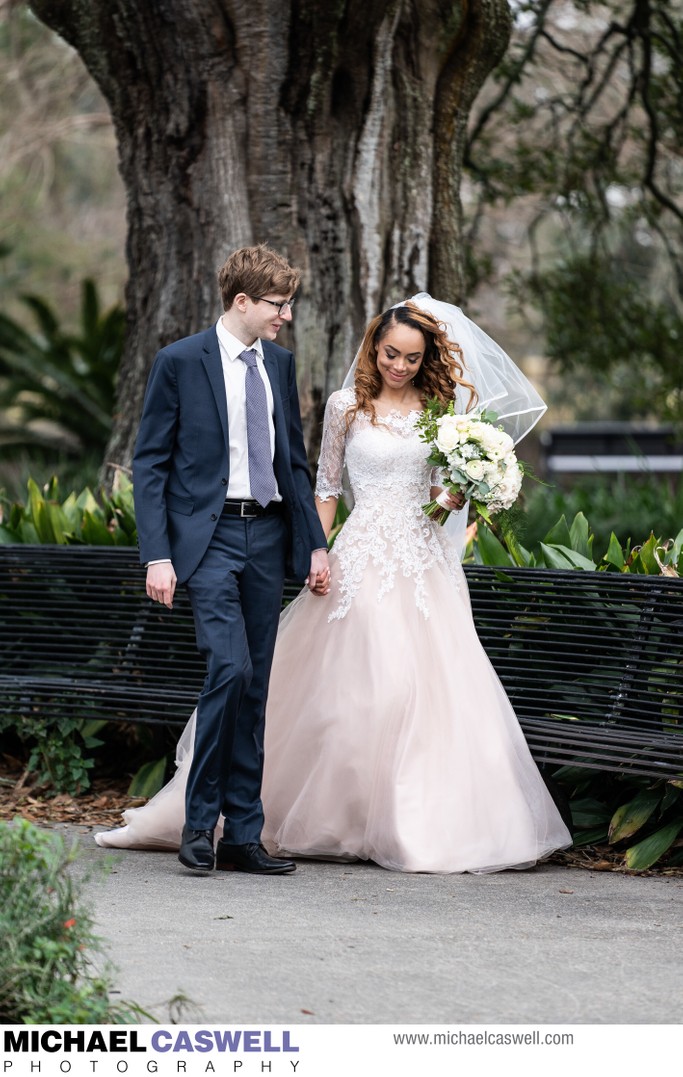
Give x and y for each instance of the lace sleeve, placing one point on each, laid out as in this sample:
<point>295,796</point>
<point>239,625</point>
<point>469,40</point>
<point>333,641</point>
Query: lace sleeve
<point>436,478</point>
<point>331,460</point>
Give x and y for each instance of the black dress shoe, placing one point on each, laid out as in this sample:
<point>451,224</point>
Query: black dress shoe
<point>196,849</point>
<point>252,857</point>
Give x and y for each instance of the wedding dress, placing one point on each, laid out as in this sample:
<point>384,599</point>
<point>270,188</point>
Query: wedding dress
<point>388,734</point>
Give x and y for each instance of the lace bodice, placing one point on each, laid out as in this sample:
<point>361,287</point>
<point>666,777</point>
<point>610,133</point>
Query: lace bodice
<point>390,481</point>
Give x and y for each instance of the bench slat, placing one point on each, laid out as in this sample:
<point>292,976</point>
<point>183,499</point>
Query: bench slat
<point>592,662</point>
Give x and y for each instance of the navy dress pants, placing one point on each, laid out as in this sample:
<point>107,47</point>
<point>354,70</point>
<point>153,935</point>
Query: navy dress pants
<point>236,597</point>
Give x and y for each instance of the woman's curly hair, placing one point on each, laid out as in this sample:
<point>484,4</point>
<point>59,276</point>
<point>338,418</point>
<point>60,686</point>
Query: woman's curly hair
<point>443,364</point>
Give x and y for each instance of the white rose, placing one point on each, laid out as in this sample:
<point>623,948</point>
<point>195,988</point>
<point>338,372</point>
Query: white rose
<point>496,442</point>
<point>475,469</point>
<point>488,437</point>
<point>477,431</point>
<point>449,435</point>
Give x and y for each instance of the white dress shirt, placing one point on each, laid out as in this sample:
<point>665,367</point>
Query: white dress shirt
<point>235,372</point>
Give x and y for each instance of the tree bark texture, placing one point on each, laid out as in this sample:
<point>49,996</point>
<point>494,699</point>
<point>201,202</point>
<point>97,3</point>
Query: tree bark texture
<point>331,130</point>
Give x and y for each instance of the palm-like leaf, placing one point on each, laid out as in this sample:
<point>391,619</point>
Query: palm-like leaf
<point>57,388</point>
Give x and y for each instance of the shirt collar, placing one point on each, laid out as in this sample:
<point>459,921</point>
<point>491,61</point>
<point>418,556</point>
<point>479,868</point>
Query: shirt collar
<point>232,346</point>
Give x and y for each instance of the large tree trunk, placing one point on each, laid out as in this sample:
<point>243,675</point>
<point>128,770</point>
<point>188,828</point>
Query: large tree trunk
<point>331,130</point>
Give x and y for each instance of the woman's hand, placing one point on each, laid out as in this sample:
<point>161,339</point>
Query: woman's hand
<point>447,500</point>
<point>318,579</point>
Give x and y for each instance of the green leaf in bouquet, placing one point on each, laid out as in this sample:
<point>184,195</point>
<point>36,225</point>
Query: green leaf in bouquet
<point>458,478</point>
<point>482,510</point>
<point>629,818</point>
<point>488,417</point>
<point>642,856</point>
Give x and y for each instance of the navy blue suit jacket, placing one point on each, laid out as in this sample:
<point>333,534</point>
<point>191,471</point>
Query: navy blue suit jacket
<point>181,465</point>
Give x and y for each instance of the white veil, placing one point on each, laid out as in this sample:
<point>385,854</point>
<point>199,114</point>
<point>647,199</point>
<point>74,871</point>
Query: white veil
<point>500,385</point>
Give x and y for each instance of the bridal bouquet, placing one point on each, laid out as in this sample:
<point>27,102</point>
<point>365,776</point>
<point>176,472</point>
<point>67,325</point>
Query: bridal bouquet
<point>477,458</point>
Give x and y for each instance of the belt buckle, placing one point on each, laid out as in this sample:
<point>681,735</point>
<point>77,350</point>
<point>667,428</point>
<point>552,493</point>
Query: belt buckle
<point>247,515</point>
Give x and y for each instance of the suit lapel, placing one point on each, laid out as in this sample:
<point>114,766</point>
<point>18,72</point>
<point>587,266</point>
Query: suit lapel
<point>211,359</point>
<point>272,370</point>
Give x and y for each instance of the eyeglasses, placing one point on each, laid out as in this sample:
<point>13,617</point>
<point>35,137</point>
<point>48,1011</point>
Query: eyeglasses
<point>281,307</point>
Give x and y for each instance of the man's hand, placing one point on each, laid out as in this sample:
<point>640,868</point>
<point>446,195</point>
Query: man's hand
<point>318,578</point>
<point>161,581</point>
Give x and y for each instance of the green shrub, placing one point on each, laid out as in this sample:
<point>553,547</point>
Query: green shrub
<point>55,747</point>
<point>78,520</point>
<point>59,384</point>
<point>52,969</point>
<point>628,506</point>
<point>641,818</point>
<point>571,546</point>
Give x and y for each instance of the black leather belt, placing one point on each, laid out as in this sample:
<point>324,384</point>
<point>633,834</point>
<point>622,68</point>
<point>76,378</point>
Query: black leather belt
<point>251,509</point>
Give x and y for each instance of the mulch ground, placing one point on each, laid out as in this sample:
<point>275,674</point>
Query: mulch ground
<point>104,802</point>
<point>101,806</point>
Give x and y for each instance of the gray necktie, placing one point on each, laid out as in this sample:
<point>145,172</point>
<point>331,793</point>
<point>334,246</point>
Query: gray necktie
<point>261,474</point>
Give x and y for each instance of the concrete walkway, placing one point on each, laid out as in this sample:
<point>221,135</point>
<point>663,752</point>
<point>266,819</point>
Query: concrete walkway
<point>355,944</point>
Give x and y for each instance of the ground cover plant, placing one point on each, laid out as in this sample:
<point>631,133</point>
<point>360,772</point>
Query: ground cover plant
<point>52,966</point>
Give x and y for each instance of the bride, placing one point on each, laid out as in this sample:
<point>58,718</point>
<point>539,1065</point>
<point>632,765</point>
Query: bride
<point>388,734</point>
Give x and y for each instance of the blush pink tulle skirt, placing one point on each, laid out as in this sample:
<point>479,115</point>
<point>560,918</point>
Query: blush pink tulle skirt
<point>388,738</point>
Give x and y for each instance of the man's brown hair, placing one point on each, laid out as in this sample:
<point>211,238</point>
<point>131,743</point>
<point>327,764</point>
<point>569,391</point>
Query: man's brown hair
<point>256,271</point>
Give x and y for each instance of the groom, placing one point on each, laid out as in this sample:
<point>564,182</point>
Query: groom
<point>224,505</point>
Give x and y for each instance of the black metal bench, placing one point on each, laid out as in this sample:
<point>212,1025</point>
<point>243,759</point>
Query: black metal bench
<point>592,662</point>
